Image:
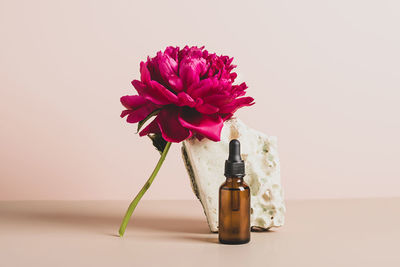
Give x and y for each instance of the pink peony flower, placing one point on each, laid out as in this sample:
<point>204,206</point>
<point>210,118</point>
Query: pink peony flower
<point>191,90</point>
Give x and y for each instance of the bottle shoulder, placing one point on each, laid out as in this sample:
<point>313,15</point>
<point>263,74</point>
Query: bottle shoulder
<point>230,183</point>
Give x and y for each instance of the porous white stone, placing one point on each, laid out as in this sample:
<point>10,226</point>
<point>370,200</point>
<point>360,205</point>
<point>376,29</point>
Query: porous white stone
<point>205,161</point>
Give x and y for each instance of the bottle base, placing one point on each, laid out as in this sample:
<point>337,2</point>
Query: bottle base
<point>234,242</point>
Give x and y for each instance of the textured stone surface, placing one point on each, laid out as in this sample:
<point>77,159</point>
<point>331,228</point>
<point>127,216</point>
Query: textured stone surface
<point>205,160</point>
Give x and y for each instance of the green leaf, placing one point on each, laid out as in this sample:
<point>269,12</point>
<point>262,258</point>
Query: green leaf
<point>158,142</point>
<point>142,122</point>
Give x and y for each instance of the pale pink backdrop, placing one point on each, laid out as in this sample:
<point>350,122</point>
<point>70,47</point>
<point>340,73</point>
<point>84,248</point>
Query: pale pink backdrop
<point>325,76</point>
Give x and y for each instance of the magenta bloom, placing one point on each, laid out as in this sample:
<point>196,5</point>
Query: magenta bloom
<point>192,91</point>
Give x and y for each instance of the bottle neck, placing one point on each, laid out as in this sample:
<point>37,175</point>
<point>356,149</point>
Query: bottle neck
<point>237,180</point>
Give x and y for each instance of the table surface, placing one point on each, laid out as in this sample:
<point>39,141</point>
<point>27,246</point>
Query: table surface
<point>175,233</point>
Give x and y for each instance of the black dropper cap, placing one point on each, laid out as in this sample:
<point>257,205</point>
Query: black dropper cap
<point>234,165</point>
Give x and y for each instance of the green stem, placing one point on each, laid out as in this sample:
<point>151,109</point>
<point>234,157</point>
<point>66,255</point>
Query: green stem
<point>146,186</point>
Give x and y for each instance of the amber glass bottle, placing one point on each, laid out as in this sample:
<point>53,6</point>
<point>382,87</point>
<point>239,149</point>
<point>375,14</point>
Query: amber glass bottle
<point>234,200</point>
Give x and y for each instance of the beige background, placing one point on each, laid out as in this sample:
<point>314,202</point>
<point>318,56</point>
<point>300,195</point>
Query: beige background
<point>325,76</point>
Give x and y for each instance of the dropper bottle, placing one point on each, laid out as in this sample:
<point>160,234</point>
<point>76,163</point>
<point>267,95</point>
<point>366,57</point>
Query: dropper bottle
<point>234,200</point>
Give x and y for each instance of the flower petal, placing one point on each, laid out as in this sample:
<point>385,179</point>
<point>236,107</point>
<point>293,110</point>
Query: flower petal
<point>168,67</point>
<point>125,112</point>
<point>207,108</point>
<point>218,100</point>
<point>152,127</point>
<point>206,125</point>
<point>138,108</point>
<point>186,100</point>
<point>202,88</point>
<point>190,70</point>
<point>133,101</point>
<point>164,69</point>
<point>138,114</point>
<point>139,86</point>
<point>172,52</point>
<point>236,104</point>
<point>162,91</point>
<point>176,83</point>
<point>155,92</point>
<point>144,73</point>
<point>171,128</point>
